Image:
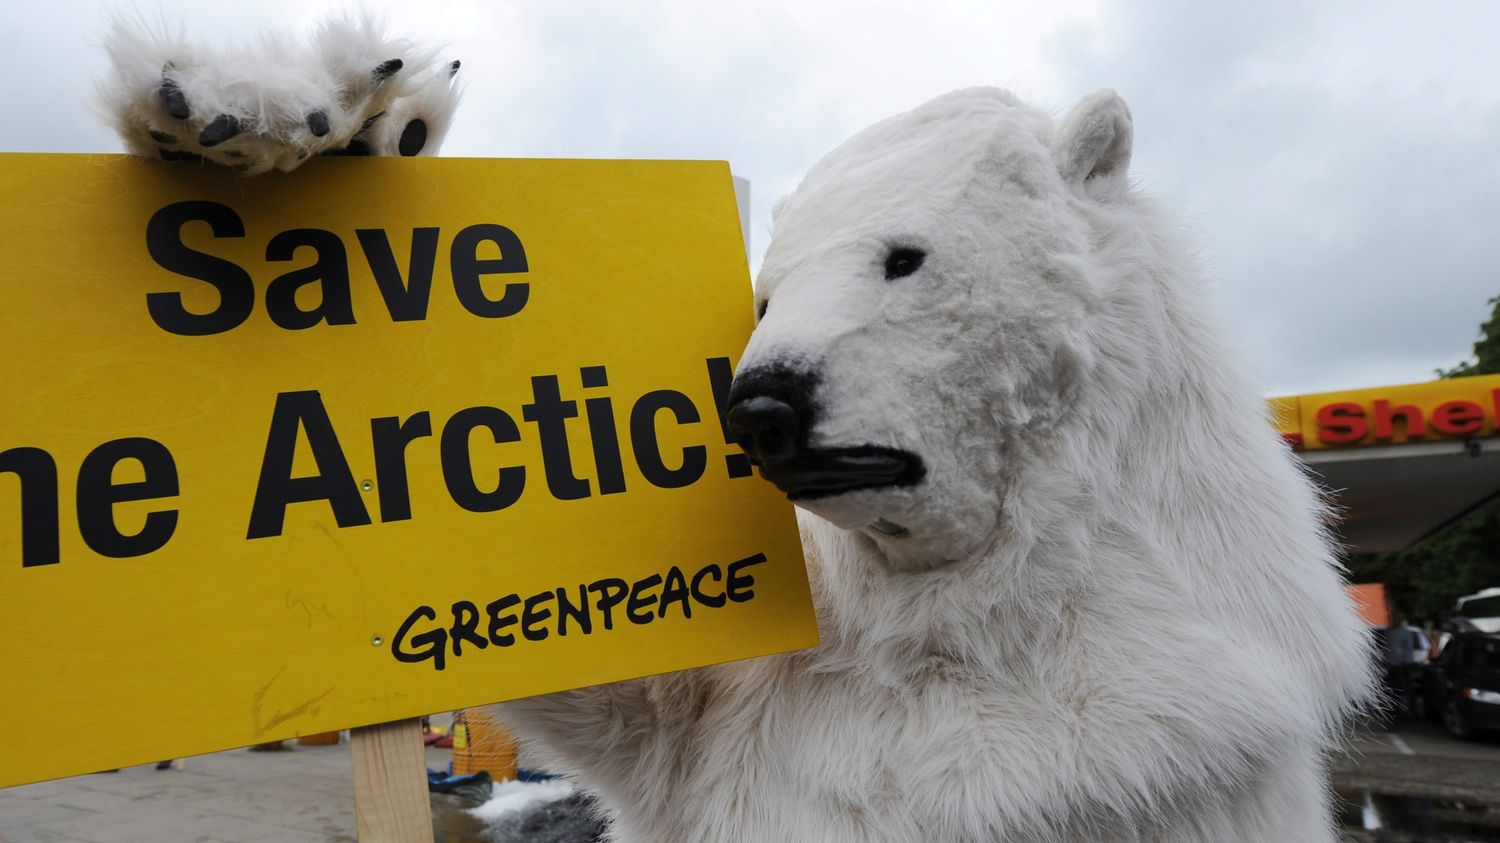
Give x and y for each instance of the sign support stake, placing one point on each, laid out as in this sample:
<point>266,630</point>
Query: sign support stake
<point>391,803</point>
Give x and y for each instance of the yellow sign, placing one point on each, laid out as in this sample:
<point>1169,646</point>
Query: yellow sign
<point>1456,408</point>
<point>376,439</point>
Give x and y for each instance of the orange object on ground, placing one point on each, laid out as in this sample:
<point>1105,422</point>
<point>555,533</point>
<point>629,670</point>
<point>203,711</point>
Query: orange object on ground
<point>480,743</point>
<point>319,739</point>
<point>1373,603</point>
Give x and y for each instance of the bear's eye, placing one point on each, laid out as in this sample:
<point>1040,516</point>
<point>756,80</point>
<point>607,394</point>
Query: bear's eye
<point>903,261</point>
<point>760,312</point>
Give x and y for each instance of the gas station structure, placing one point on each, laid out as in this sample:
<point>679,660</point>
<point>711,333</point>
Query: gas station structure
<point>1399,463</point>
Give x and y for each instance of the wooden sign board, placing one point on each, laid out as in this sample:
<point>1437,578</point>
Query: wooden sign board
<point>371,440</point>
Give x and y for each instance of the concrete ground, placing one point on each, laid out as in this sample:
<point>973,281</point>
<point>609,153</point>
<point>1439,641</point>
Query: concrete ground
<point>1411,784</point>
<point>1415,784</point>
<point>1424,740</point>
<point>304,794</point>
<point>1420,759</point>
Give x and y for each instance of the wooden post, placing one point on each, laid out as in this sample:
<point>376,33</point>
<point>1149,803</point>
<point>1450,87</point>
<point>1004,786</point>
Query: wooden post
<point>391,804</point>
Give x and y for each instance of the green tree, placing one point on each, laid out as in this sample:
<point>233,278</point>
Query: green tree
<point>1486,349</point>
<point>1424,580</point>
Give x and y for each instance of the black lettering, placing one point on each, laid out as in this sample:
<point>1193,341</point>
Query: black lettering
<point>641,599</point>
<point>720,378</point>
<point>164,244</point>
<point>648,450</point>
<point>37,472</point>
<point>433,642</point>
<point>531,615</point>
<point>468,268</point>
<point>465,621</point>
<point>406,301</point>
<point>713,601</point>
<point>608,466</point>
<point>458,467</point>
<point>742,588</point>
<point>98,494</point>
<point>611,592</point>
<point>390,436</point>
<point>277,488</point>
<point>675,590</point>
<point>500,621</point>
<point>579,611</point>
<point>550,414</point>
<point>330,269</point>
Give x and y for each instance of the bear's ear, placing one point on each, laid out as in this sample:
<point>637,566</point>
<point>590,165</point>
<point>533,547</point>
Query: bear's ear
<point>1094,139</point>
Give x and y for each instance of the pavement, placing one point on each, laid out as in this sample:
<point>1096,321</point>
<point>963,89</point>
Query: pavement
<point>1421,739</point>
<point>1421,760</point>
<point>304,794</point>
<point>1413,783</point>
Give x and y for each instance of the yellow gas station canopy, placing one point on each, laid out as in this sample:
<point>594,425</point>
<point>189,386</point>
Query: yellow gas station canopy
<point>1400,462</point>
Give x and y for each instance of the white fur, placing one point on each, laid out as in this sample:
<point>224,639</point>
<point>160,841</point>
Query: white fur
<point>271,86</point>
<point>1115,616</point>
<point>510,798</point>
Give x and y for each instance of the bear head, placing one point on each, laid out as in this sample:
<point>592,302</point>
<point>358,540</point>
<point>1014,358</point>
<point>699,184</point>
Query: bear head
<point>925,312</point>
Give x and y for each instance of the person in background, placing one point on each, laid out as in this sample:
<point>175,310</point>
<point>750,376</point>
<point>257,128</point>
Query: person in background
<point>1407,650</point>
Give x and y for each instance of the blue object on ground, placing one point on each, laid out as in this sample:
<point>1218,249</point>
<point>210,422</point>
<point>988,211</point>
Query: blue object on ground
<point>440,781</point>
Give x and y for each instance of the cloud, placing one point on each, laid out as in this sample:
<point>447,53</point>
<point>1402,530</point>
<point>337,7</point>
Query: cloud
<point>1338,162</point>
<point>770,86</point>
<point>1336,159</point>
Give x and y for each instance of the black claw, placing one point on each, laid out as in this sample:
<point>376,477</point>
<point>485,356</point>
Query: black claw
<point>413,138</point>
<point>453,68</point>
<point>355,147</point>
<point>224,127</point>
<point>370,121</point>
<point>172,98</point>
<point>317,123</point>
<point>179,155</point>
<point>162,137</point>
<point>387,69</point>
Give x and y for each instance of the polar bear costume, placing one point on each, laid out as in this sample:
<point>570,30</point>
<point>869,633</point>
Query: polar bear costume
<point>1070,584</point>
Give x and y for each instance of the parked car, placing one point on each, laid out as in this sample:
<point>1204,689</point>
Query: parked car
<point>1479,611</point>
<point>1462,687</point>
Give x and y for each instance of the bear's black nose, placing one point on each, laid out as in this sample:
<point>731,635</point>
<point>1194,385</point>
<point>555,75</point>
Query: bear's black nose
<point>766,428</point>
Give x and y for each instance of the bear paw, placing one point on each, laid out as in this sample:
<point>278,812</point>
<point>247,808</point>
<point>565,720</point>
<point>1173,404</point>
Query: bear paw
<point>277,103</point>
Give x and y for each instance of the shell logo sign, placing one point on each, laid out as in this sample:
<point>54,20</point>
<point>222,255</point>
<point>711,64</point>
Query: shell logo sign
<point>1453,409</point>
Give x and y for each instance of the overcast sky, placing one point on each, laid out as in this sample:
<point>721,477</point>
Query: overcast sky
<point>1339,162</point>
